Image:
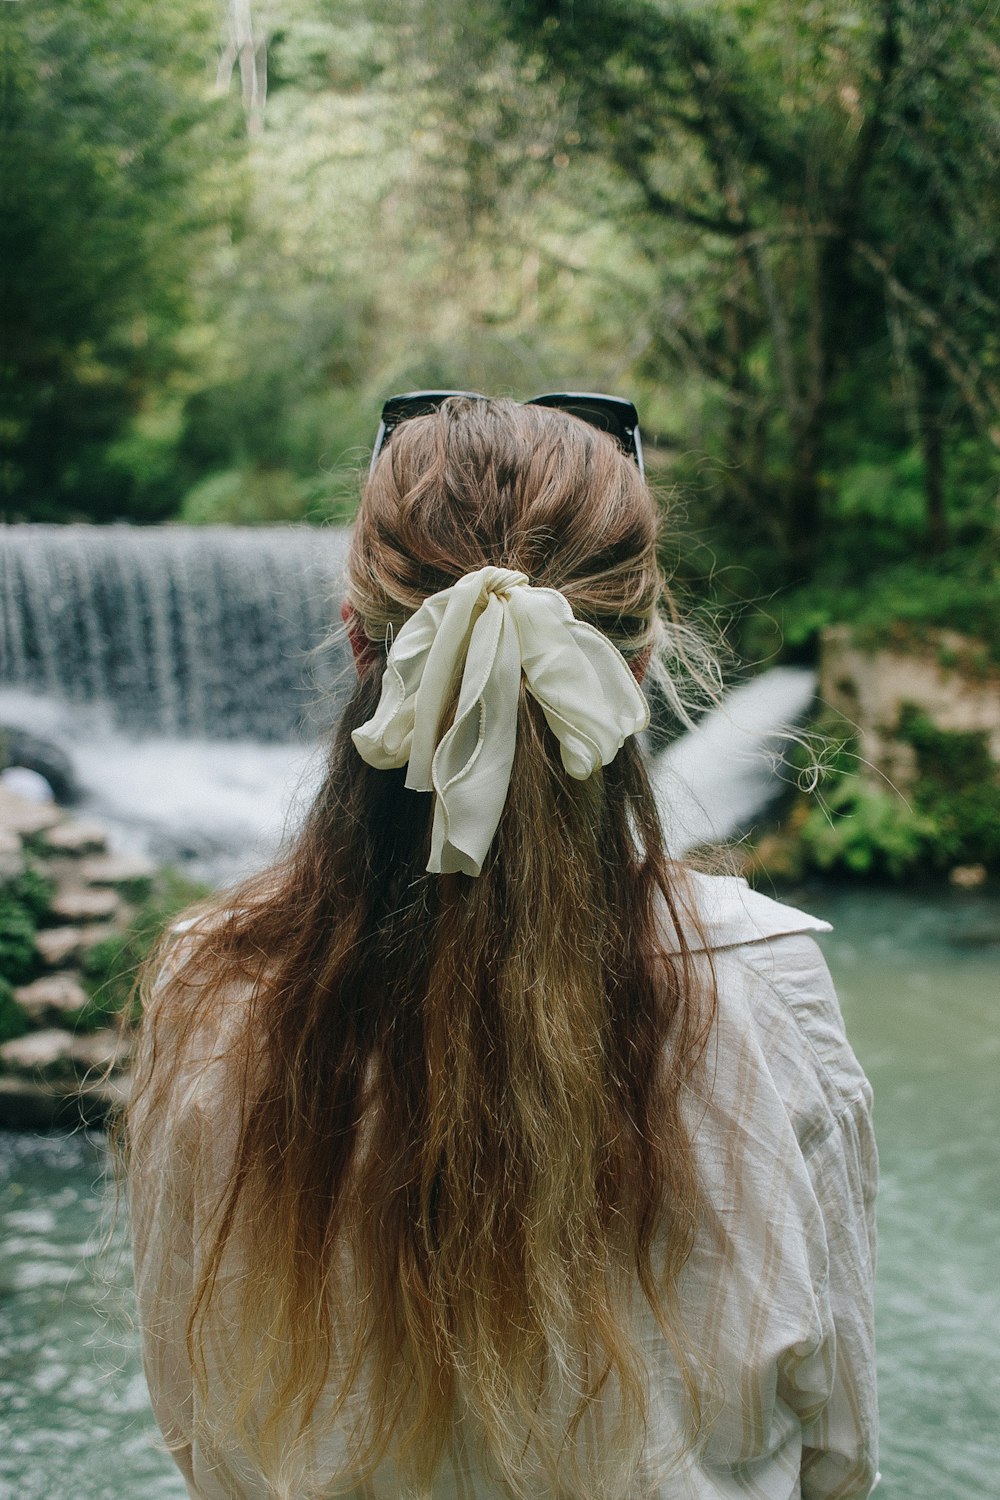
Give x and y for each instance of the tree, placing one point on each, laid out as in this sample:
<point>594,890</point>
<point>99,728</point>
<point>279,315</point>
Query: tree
<point>827,181</point>
<point>116,173</point>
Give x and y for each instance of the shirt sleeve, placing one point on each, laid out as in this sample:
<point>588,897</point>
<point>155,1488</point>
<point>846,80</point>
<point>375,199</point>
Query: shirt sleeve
<point>840,1432</point>
<point>840,1446</point>
<point>161,1203</point>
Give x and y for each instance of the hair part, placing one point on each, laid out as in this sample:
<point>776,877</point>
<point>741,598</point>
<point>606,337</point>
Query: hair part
<point>455,1103</point>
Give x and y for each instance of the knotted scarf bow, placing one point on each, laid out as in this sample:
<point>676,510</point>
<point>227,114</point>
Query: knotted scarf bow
<point>490,627</point>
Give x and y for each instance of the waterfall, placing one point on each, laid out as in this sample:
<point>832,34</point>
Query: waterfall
<point>180,674</point>
<point>713,782</point>
<point>210,632</point>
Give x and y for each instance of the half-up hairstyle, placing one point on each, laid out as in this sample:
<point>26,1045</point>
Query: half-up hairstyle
<point>456,1150</point>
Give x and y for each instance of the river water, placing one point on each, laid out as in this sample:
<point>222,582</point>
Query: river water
<point>918,977</point>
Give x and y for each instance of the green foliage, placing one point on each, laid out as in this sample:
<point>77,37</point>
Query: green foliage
<point>951,817</point>
<point>13,1020</point>
<point>235,498</point>
<point>30,889</point>
<point>901,603</point>
<point>862,830</point>
<point>774,225</point>
<point>111,184</point>
<point>111,967</point>
<point>17,942</point>
<point>803,183</point>
<point>24,902</point>
<point>267,497</point>
<point>958,790</point>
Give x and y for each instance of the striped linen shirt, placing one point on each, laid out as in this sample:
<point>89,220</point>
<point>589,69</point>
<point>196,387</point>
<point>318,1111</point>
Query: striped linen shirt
<point>776,1297</point>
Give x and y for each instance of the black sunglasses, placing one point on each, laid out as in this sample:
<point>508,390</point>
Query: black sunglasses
<point>608,414</point>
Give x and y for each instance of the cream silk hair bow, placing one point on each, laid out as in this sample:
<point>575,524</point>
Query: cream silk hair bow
<point>488,629</point>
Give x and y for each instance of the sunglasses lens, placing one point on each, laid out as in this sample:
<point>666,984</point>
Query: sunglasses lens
<point>419,404</point>
<point>609,414</point>
<point>401,408</point>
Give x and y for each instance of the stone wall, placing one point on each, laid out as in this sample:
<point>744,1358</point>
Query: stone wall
<point>58,1072</point>
<point>948,676</point>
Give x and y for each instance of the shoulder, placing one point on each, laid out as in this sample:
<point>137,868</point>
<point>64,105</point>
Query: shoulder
<point>776,998</point>
<point>722,911</point>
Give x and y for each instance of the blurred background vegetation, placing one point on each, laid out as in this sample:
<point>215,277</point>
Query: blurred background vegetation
<point>231,228</point>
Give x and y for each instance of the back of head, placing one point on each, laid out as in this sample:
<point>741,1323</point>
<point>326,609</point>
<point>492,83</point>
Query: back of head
<point>470,1085</point>
<point>494,483</point>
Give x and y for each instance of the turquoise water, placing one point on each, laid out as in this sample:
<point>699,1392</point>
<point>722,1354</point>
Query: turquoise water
<point>920,985</point>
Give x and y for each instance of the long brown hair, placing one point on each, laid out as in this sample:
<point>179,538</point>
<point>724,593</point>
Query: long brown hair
<point>455,1103</point>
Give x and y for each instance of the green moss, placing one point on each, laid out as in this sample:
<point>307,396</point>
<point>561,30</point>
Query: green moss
<point>111,967</point>
<point>17,942</point>
<point>951,816</point>
<point>957,789</point>
<point>32,890</point>
<point>13,1020</point>
<point>25,901</point>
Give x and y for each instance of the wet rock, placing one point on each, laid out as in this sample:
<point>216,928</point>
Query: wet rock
<point>76,838</point>
<point>129,873</point>
<point>32,1104</point>
<point>100,1051</point>
<point>40,1054</point>
<point>96,933</point>
<point>29,784</point>
<point>53,1000</point>
<point>44,758</point>
<point>58,946</point>
<point>18,815</point>
<point>85,904</point>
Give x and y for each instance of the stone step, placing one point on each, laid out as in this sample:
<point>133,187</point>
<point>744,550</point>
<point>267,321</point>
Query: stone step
<point>98,931</point>
<point>53,1000</point>
<point>131,872</point>
<point>85,904</point>
<point>18,815</point>
<point>108,1050</point>
<point>40,1054</point>
<point>76,837</point>
<point>32,1104</point>
<point>58,947</point>
<point>56,1053</point>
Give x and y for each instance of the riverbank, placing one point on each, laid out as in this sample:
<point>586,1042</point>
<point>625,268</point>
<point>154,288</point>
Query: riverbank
<point>899,776</point>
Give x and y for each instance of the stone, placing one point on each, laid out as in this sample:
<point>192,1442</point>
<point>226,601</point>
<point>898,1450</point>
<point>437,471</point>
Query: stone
<point>85,904</point>
<point>31,755</point>
<point>96,933</point>
<point>76,838</point>
<point>101,1051</point>
<point>132,873</point>
<point>44,1054</point>
<point>26,781</point>
<point>948,676</point>
<point>10,842</point>
<point>18,815</point>
<point>34,1104</point>
<point>967,877</point>
<point>58,946</point>
<point>53,1000</point>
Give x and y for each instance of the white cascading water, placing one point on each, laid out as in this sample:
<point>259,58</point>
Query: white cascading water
<point>183,673</point>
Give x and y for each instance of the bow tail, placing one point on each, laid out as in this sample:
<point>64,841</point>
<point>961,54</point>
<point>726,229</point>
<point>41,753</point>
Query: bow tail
<point>472,764</point>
